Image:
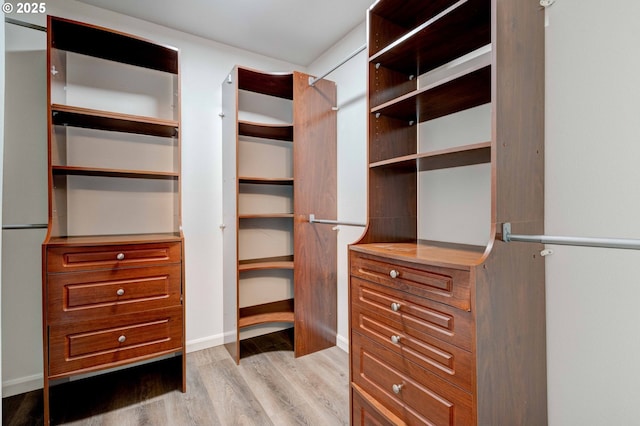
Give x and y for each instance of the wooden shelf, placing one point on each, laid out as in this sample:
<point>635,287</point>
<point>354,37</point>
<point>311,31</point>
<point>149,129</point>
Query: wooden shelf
<point>265,181</point>
<point>100,240</point>
<point>457,93</point>
<point>273,84</point>
<point>280,311</point>
<point>107,44</point>
<point>67,115</point>
<point>441,159</point>
<point>283,132</point>
<point>439,40</point>
<point>118,173</point>
<point>280,262</point>
<point>266,216</point>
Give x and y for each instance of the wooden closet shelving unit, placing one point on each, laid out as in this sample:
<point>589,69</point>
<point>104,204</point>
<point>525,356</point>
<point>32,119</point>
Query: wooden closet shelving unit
<point>279,166</point>
<point>445,332</point>
<point>113,274</point>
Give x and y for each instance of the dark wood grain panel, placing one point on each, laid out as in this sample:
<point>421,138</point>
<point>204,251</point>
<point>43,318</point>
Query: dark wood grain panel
<point>280,311</point>
<point>114,173</point>
<point>273,84</point>
<point>268,131</point>
<point>315,192</point>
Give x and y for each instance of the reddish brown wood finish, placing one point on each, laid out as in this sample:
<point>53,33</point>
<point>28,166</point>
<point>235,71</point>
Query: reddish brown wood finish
<point>313,185</point>
<point>498,347</point>
<point>102,310</point>
<point>315,192</point>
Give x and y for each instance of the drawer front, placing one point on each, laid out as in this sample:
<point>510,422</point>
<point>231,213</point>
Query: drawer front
<point>364,413</point>
<point>444,359</point>
<point>92,345</point>
<point>419,397</point>
<point>444,285</point>
<point>80,258</point>
<point>80,296</point>
<point>414,315</point>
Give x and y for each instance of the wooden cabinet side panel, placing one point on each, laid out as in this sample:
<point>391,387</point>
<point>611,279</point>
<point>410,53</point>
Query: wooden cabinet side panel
<point>511,336</point>
<point>315,192</point>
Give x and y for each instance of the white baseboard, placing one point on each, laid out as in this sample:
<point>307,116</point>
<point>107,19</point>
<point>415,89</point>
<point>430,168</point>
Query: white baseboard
<point>22,385</point>
<point>342,342</point>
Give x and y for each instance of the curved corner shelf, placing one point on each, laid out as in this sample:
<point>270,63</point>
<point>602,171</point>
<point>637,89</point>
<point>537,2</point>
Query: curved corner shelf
<point>273,84</point>
<point>265,181</point>
<point>280,311</point>
<point>266,216</point>
<point>279,262</point>
<point>67,115</point>
<point>282,132</point>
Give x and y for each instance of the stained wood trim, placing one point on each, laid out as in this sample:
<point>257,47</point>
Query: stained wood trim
<point>278,262</point>
<point>283,132</point>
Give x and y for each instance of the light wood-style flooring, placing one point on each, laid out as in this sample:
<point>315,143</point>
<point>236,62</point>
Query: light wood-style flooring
<point>269,387</point>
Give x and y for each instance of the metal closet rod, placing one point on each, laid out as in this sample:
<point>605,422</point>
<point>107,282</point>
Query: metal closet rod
<point>25,24</point>
<point>312,219</point>
<point>619,243</point>
<point>313,81</point>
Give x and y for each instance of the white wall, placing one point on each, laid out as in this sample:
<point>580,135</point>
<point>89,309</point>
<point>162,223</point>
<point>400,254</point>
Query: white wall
<point>592,174</point>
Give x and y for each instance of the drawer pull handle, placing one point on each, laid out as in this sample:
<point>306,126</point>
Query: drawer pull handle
<point>394,274</point>
<point>120,256</point>
<point>395,339</point>
<point>120,292</point>
<point>122,338</point>
<point>397,388</point>
<point>395,307</point>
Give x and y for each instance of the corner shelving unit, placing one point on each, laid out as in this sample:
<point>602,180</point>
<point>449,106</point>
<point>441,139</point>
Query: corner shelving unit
<point>278,142</point>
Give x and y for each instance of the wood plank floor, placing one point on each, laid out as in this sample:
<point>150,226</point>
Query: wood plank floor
<point>269,387</point>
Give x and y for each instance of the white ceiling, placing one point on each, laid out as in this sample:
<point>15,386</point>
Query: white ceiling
<point>296,31</point>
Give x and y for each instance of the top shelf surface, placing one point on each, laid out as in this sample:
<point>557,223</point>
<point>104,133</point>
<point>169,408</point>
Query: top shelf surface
<point>107,44</point>
<point>438,40</point>
<point>448,255</point>
<point>273,84</point>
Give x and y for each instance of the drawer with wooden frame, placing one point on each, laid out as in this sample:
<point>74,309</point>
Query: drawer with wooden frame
<point>417,329</point>
<point>69,258</point>
<point>405,389</point>
<point>82,346</point>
